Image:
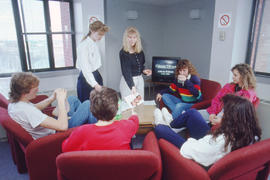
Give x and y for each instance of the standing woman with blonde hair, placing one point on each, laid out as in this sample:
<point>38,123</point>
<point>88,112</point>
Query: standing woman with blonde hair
<point>89,61</point>
<point>132,61</point>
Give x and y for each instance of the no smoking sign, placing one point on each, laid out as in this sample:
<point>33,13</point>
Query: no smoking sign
<point>224,20</point>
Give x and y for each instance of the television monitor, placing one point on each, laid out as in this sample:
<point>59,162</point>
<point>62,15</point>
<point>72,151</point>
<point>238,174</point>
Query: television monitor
<point>163,68</point>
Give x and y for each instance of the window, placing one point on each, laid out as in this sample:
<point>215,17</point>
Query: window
<point>259,47</point>
<point>41,33</point>
<point>9,52</point>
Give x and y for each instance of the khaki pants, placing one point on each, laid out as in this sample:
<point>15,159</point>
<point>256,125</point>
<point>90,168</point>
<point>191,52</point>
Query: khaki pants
<point>139,85</point>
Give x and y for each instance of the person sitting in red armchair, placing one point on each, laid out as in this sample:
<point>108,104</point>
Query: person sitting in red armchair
<point>239,128</point>
<point>107,133</point>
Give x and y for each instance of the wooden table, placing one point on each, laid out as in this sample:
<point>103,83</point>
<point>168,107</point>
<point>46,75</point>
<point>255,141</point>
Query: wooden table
<point>146,117</point>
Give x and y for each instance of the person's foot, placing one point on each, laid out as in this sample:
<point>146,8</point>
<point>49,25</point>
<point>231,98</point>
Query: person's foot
<point>167,116</point>
<point>55,111</point>
<point>158,117</point>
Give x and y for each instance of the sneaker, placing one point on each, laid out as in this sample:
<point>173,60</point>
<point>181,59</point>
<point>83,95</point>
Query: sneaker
<point>158,117</point>
<point>167,116</point>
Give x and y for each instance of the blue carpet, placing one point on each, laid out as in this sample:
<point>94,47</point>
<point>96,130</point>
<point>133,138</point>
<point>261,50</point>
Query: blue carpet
<point>8,170</point>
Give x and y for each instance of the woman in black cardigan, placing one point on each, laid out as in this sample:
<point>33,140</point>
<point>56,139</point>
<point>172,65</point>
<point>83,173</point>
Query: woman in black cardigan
<point>132,64</point>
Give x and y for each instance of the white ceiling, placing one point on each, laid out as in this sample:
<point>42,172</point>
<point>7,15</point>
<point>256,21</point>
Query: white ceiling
<point>159,2</point>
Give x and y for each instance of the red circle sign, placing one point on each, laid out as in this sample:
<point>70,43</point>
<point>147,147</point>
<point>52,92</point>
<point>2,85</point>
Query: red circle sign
<point>224,20</point>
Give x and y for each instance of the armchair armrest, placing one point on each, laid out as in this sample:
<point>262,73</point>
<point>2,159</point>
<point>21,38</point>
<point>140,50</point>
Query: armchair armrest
<point>150,143</point>
<point>41,155</point>
<point>176,166</point>
<point>48,110</point>
<point>202,105</point>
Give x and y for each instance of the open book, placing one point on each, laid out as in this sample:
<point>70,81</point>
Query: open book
<point>134,100</point>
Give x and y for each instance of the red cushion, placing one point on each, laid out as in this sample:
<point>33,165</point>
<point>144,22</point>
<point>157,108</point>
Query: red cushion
<point>3,101</point>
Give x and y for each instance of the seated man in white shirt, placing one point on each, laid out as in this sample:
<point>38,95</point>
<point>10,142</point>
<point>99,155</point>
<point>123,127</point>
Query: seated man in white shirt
<point>23,88</point>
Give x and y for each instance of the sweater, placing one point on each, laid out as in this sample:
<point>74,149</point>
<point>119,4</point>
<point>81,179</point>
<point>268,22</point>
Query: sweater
<point>216,104</point>
<point>115,136</point>
<point>131,65</point>
<point>189,91</point>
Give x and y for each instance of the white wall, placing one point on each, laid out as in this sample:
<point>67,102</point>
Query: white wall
<point>165,31</point>
<point>190,38</point>
<point>225,54</point>
<point>149,23</point>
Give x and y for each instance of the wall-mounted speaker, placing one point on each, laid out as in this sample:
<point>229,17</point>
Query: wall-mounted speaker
<point>195,14</point>
<point>132,14</point>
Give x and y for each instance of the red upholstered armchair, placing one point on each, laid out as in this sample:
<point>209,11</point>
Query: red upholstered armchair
<point>41,155</point>
<point>209,90</point>
<point>3,101</point>
<point>248,163</point>
<point>35,156</point>
<point>18,138</point>
<point>112,164</point>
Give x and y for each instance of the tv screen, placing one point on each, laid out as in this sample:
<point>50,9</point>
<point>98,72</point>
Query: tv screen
<point>163,68</point>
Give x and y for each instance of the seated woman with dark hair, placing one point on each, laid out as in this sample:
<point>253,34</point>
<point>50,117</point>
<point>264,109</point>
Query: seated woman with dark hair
<point>107,133</point>
<point>239,127</point>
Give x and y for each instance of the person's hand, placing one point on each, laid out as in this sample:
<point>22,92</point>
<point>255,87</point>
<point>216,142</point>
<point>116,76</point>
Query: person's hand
<point>182,78</point>
<point>61,94</point>
<point>212,118</point>
<point>98,87</point>
<point>216,120</point>
<point>133,90</point>
<point>53,96</point>
<point>147,72</point>
<point>133,112</point>
<point>159,96</point>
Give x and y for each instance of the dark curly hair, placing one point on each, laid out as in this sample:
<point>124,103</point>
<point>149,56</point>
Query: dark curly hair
<point>104,104</point>
<point>20,84</point>
<point>239,123</point>
<point>184,63</point>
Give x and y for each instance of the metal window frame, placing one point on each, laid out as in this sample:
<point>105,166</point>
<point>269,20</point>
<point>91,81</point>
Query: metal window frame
<point>20,37</point>
<point>252,39</point>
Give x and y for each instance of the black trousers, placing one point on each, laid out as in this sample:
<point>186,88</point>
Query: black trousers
<point>84,89</point>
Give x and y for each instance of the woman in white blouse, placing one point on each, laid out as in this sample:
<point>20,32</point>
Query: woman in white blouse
<point>239,127</point>
<point>89,61</point>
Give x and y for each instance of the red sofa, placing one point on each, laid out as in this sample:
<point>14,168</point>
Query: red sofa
<point>112,164</point>
<point>248,163</point>
<point>209,90</point>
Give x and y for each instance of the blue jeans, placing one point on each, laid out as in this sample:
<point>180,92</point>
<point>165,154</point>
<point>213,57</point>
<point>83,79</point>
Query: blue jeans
<point>192,120</point>
<point>175,104</point>
<point>79,112</point>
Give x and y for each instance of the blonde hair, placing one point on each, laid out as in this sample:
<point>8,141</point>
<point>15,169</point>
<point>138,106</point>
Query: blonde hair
<point>247,76</point>
<point>138,45</point>
<point>96,26</point>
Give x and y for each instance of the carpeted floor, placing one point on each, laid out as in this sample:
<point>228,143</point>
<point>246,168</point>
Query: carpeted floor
<point>8,170</point>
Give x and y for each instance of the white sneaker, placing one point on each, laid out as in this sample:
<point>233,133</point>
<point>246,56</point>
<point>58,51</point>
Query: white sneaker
<point>166,115</point>
<point>158,117</point>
